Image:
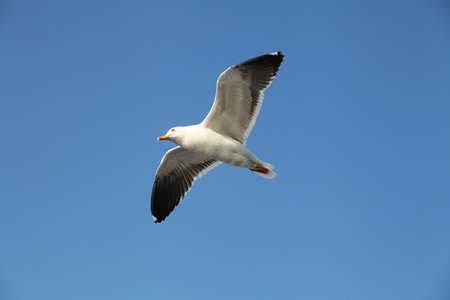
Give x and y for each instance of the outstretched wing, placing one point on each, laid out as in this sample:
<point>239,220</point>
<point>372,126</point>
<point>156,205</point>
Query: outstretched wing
<point>239,96</point>
<point>175,176</point>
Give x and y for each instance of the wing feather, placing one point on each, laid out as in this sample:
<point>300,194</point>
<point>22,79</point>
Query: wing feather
<point>239,96</point>
<point>175,176</point>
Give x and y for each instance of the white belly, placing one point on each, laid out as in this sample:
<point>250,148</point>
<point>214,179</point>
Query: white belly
<point>225,149</point>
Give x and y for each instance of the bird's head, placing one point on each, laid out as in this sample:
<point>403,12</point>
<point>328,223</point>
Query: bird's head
<point>171,135</point>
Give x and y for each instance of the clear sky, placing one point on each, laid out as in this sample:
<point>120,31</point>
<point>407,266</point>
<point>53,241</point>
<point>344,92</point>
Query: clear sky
<point>357,123</point>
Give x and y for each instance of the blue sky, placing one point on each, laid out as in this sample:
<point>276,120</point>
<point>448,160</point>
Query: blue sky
<point>356,123</point>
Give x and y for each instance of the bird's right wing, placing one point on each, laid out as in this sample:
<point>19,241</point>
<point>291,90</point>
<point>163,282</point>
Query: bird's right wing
<point>175,176</point>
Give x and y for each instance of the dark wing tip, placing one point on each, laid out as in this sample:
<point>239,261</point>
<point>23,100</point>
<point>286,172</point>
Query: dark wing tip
<point>164,199</point>
<point>270,62</point>
<point>278,53</point>
<point>157,220</point>
<point>159,212</point>
<point>273,58</point>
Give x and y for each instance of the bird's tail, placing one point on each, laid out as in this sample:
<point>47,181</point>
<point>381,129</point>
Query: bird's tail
<point>265,170</point>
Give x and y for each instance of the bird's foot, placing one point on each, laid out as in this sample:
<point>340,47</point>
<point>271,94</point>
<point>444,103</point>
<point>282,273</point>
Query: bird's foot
<point>259,169</point>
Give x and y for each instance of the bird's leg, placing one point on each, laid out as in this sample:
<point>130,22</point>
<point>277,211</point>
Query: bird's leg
<point>259,168</point>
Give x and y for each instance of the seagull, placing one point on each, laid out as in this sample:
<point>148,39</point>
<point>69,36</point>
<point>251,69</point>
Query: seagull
<point>220,137</point>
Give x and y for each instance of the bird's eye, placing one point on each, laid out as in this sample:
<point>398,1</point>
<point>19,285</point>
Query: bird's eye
<point>173,130</point>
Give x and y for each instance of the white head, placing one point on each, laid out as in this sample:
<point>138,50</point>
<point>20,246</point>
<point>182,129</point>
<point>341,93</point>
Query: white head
<point>173,134</point>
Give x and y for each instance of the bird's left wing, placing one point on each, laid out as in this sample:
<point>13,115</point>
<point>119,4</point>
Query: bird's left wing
<point>175,176</point>
<point>239,96</point>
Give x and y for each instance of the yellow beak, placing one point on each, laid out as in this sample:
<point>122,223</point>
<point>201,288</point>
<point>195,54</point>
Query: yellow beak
<point>163,137</point>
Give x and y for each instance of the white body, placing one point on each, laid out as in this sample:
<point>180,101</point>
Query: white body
<point>207,142</point>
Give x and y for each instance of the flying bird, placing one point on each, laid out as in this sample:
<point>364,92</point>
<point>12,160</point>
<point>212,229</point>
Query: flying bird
<point>220,137</point>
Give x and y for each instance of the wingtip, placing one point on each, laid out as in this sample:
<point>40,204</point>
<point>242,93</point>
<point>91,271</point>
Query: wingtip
<point>277,55</point>
<point>158,220</point>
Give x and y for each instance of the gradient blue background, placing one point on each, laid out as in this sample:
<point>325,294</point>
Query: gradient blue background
<point>357,124</point>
